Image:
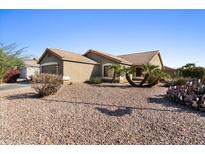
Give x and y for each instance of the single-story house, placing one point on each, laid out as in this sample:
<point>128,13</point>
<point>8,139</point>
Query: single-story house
<point>30,68</point>
<point>75,67</point>
<point>170,71</point>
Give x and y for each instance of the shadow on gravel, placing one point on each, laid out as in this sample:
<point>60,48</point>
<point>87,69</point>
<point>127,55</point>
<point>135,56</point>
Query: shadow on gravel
<point>119,86</point>
<point>132,108</point>
<point>23,96</point>
<point>112,86</point>
<point>117,112</point>
<point>160,99</point>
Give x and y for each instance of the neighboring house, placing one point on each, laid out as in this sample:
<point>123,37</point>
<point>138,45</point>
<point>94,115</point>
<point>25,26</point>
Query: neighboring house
<point>170,71</point>
<point>74,67</point>
<point>31,67</point>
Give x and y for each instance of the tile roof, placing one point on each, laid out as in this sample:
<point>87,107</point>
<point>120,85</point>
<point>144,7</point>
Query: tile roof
<point>67,55</point>
<point>139,58</point>
<point>31,62</point>
<point>115,58</point>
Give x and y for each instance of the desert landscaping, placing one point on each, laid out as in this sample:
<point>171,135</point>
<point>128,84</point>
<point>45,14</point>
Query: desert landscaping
<point>93,114</point>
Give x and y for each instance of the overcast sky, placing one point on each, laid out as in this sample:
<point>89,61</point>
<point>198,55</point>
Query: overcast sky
<point>178,34</point>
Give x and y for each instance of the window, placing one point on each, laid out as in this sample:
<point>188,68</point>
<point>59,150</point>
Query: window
<point>108,71</point>
<point>50,69</point>
<point>138,72</point>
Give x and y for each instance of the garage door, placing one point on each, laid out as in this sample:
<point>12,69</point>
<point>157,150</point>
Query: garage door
<point>51,69</point>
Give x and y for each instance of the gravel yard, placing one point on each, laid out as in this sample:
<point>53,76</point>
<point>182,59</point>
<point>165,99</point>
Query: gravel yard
<point>87,114</point>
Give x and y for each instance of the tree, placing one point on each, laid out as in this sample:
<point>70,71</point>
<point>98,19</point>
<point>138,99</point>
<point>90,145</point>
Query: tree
<point>117,71</point>
<point>152,74</point>
<point>190,70</point>
<point>149,72</point>
<point>189,65</point>
<point>10,57</point>
<point>127,71</point>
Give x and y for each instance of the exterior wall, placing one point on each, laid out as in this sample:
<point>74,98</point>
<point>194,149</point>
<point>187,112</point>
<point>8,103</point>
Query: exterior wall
<point>31,71</point>
<point>171,72</point>
<point>104,61</point>
<point>156,61</point>
<point>101,60</point>
<point>52,58</point>
<point>27,72</point>
<point>77,72</point>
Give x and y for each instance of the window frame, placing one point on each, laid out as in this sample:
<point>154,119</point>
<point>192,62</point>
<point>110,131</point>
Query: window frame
<point>103,75</point>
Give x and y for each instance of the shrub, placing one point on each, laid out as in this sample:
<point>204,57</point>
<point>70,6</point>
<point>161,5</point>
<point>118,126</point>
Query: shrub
<point>175,82</point>
<point>192,72</point>
<point>11,76</point>
<point>46,84</point>
<point>151,79</point>
<point>95,80</point>
<point>179,82</point>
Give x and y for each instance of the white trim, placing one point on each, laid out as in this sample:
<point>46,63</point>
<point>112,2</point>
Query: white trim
<point>49,63</point>
<point>66,78</point>
<point>81,61</point>
<point>107,64</point>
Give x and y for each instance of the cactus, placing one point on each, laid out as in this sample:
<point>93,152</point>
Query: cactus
<point>191,94</point>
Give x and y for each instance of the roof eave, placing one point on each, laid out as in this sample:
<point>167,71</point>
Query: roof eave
<point>80,61</point>
<point>48,50</point>
<point>103,55</point>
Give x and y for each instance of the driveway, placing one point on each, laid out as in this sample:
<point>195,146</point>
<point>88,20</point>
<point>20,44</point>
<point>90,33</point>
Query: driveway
<point>10,86</point>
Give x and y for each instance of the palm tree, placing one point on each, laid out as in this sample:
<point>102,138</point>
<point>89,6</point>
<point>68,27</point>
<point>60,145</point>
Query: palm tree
<point>156,76</point>
<point>152,74</point>
<point>127,71</point>
<point>117,70</point>
<point>147,70</point>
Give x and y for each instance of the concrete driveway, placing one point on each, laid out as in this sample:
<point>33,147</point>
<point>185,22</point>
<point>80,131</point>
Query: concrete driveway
<point>10,86</point>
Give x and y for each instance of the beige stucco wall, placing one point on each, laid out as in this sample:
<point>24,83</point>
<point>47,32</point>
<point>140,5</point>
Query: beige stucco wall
<point>79,72</point>
<point>53,58</point>
<point>100,59</point>
<point>103,60</point>
<point>156,61</point>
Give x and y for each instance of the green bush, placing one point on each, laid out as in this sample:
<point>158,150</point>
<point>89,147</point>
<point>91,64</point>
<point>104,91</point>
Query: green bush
<point>175,82</point>
<point>46,84</point>
<point>180,82</point>
<point>151,79</point>
<point>95,80</point>
<point>193,72</point>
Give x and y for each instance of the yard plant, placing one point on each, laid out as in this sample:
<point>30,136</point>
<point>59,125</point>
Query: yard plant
<point>191,94</point>
<point>46,84</point>
<point>152,74</point>
<point>190,70</point>
<point>11,76</point>
<point>95,80</point>
<point>10,57</point>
